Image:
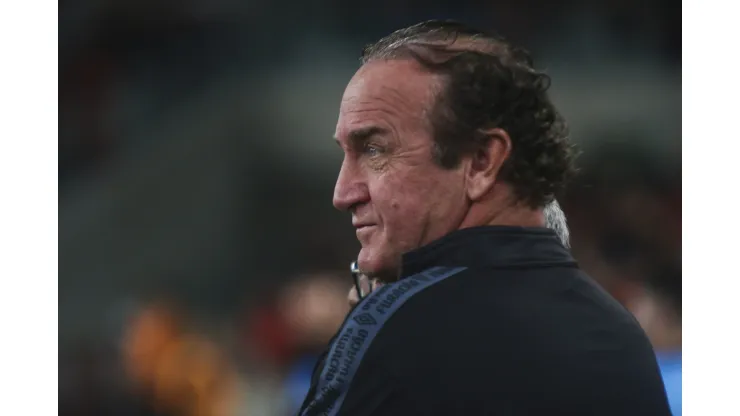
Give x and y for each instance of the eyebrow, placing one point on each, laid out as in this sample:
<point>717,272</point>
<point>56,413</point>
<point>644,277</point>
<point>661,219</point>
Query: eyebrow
<point>362,135</point>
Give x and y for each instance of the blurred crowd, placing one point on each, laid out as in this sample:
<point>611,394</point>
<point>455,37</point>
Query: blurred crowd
<point>202,267</point>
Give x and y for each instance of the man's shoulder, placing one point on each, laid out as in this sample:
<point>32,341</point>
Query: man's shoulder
<point>455,316</point>
<point>502,315</point>
<point>534,333</point>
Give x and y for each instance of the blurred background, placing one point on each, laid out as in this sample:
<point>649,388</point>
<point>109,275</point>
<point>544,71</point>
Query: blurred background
<point>201,264</point>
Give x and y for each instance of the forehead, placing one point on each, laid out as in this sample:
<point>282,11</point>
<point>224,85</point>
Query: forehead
<point>391,92</point>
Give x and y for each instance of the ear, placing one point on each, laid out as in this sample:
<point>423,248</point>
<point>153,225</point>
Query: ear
<point>486,162</point>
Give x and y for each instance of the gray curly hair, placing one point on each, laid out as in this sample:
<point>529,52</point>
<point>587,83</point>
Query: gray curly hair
<point>556,221</point>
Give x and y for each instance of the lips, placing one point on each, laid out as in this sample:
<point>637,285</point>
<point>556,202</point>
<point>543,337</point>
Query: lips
<point>360,225</point>
<point>363,231</point>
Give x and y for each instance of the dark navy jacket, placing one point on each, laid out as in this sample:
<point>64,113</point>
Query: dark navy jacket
<point>489,321</point>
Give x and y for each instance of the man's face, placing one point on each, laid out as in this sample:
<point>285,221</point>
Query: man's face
<point>399,198</point>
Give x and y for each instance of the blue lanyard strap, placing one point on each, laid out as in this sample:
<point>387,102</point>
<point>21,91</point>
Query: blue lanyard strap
<point>359,330</point>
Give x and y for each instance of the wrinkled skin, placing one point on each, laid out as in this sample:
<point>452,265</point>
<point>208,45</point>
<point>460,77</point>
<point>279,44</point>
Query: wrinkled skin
<point>399,198</point>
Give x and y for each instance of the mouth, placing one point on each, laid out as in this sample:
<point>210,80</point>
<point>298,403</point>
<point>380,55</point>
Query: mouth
<point>358,225</point>
<point>363,228</point>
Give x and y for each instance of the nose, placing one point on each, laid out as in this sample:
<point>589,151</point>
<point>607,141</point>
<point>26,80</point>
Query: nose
<point>350,189</point>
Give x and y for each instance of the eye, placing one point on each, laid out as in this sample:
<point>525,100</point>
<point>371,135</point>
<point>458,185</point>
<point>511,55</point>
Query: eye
<point>372,150</point>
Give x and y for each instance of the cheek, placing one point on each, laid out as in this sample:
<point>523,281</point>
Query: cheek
<point>447,195</point>
<point>390,201</point>
<point>403,203</point>
<point>429,205</point>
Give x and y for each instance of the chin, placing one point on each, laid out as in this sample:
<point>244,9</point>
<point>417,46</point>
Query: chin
<point>376,265</point>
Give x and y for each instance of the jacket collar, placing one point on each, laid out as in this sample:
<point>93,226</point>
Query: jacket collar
<point>489,246</point>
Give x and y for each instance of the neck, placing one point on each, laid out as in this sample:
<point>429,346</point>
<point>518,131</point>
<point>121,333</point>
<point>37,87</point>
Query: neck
<point>500,208</point>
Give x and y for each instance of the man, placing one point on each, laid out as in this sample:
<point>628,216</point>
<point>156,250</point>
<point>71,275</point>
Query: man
<point>452,149</point>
